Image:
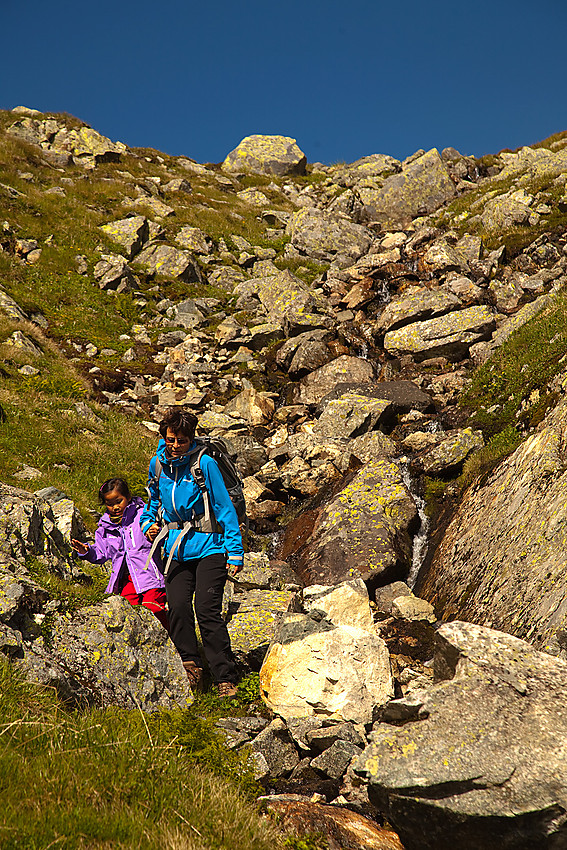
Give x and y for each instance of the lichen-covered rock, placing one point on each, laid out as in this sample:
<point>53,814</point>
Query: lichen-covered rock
<point>195,240</point>
<point>505,211</point>
<point>327,237</point>
<point>111,654</point>
<point>321,663</point>
<point>502,560</point>
<point>253,619</point>
<point>131,233</point>
<point>352,415</point>
<point>277,155</point>
<point>252,406</point>
<point>483,351</point>
<point>422,187</point>
<point>377,165</point>
<point>446,336</point>
<point>165,261</point>
<point>342,370</point>
<point>362,531</point>
<point>84,144</point>
<point>281,295</point>
<point>450,453</point>
<point>481,767</point>
<point>416,304</point>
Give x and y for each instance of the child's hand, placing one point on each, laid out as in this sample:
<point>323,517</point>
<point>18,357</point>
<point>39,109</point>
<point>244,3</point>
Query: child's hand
<point>80,548</point>
<point>152,532</point>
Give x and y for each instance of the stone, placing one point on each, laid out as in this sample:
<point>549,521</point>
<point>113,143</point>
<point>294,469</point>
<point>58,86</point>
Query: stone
<point>260,573</point>
<point>483,351</point>
<point>165,261</point>
<point>352,415</point>
<point>131,233</point>
<point>422,187</point>
<point>113,272</point>
<point>519,586</point>
<point>341,827</point>
<point>111,654</point>
<point>276,745</point>
<point>195,240</point>
<point>334,761</point>
<point>506,211</point>
<point>281,295</point>
<point>417,303</point>
<point>327,237</point>
<point>364,530</point>
<point>254,617</point>
<point>23,343</point>
<point>254,197</point>
<point>344,369</point>
<point>482,766</point>
<point>363,170</point>
<point>324,737</point>
<point>321,667</point>
<point>11,308</point>
<point>411,607</point>
<point>277,155</point>
<point>442,257</point>
<point>446,336</point>
<point>252,406</point>
<point>449,454</point>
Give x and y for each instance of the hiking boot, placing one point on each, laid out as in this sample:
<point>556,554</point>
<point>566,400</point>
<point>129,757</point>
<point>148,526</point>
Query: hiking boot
<point>226,690</point>
<point>194,675</point>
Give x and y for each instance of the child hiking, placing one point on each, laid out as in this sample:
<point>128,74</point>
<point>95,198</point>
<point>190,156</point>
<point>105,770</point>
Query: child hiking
<point>119,539</point>
<point>196,560</point>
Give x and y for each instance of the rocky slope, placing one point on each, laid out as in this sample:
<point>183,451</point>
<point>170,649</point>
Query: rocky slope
<point>358,334</point>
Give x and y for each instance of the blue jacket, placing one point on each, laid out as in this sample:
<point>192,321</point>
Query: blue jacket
<point>181,499</point>
<point>124,540</point>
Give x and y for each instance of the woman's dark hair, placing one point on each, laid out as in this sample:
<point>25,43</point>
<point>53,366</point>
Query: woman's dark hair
<point>180,422</point>
<point>119,484</point>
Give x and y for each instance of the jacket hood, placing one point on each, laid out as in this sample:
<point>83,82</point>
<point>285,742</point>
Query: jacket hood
<point>130,512</point>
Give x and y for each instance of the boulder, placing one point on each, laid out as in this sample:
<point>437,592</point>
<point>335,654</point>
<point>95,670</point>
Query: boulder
<point>254,616</point>
<point>422,187</point>
<point>277,155</point>
<point>328,661</point>
<point>502,560</point>
<point>377,165</point>
<point>165,261</point>
<point>252,406</point>
<point>195,240</point>
<point>446,336</point>
<point>341,827</point>
<point>342,370</point>
<point>416,304</point>
<point>480,352</point>
<point>448,455</point>
<point>327,237</point>
<point>479,766</point>
<point>281,295</point>
<point>352,415</point>
<point>113,272</point>
<point>364,530</point>
<point>111,654</point>
<point>131,233</point>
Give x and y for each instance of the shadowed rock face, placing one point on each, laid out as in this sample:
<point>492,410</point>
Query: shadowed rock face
<point>482,768</point>
<point>363,531</point>
<point>503,559</point>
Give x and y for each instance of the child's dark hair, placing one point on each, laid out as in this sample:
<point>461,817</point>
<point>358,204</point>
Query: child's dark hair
<point>111,484</point>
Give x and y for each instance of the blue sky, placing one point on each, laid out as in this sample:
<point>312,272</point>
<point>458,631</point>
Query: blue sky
<point>346,79</point>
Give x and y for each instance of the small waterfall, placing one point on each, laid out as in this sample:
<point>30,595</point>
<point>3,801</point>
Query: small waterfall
<point>420,540</point>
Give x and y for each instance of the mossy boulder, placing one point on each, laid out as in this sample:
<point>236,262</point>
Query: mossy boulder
<point>272,155</point>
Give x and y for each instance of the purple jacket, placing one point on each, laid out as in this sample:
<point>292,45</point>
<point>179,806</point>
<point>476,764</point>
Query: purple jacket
<point>116,541</point>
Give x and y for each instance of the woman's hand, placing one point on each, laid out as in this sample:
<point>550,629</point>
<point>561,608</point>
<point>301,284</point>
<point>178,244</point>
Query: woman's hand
<point>80,548</point>
<point>152,532</point>
<point>233,569</point>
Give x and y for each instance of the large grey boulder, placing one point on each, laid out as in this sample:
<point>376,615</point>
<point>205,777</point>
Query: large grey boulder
<point>449,336</point>
<point>342,370</point>
<point>111,654</point>
<point>253,619</point>
<point>481,765</point>
<point>328,660</point>
<point>113,272</point>
<point>422,187</point>
<point>277,155</point>
<point>84,144</point>
<point>282,296</point>
<point>327,237</point>
<point>166,261</point>
<point>364,531</point>
<point>417,303</point>
<point>502,560</point>
<point>351,415</point>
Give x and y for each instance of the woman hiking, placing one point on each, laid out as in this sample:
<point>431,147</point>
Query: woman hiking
<point>197,562</point>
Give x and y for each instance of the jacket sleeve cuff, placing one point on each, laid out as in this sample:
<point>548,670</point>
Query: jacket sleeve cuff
<point>236,559</point>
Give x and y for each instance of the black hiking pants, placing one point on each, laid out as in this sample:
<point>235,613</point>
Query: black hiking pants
<point>196,588</point>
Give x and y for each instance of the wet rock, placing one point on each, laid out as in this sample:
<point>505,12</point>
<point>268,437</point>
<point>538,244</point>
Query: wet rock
<point>482,767</point>
<point>447,336</point>
<point>320,665</point>
<point>277,155</point>
<point>365,530</point>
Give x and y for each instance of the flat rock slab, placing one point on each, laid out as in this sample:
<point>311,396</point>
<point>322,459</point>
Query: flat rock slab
<point>449,336</point>
<point>485,767</point>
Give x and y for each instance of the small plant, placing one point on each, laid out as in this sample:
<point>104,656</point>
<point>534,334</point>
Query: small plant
<point>313,841</point>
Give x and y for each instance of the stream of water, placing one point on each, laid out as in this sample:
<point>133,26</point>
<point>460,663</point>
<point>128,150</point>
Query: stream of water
<point>420,540</point>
